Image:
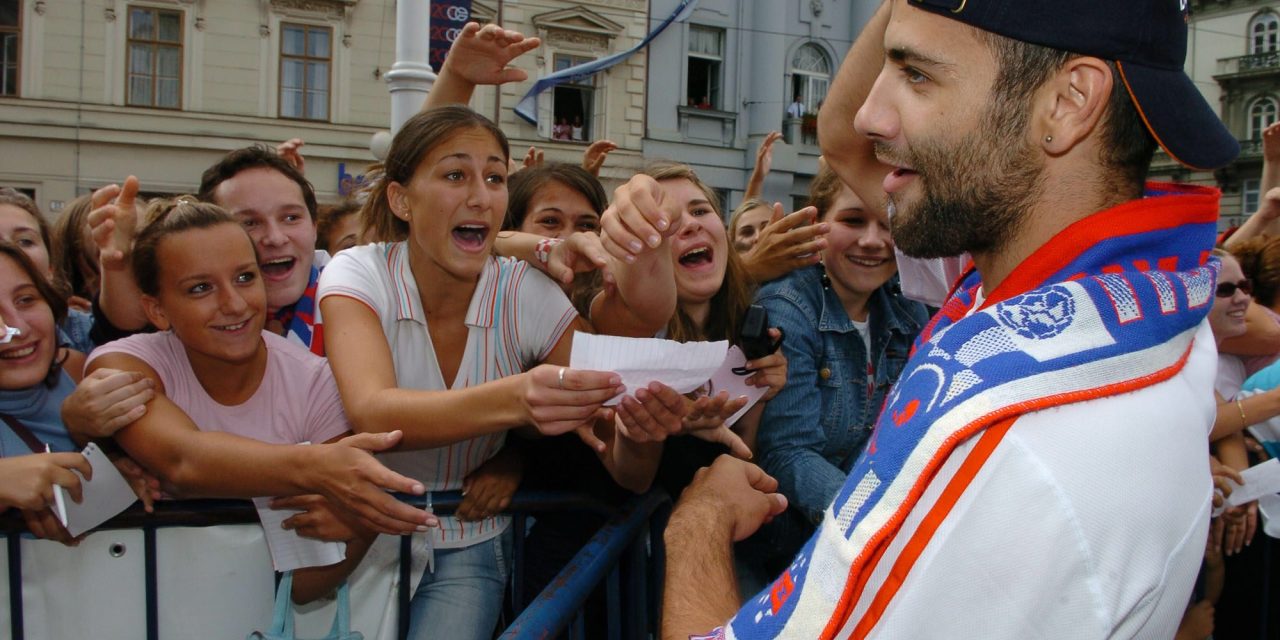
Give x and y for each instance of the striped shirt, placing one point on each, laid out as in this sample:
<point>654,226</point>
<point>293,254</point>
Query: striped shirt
<point>516,317</point>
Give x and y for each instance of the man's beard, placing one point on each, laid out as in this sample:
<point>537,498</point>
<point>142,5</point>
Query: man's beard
<point>977,192</point>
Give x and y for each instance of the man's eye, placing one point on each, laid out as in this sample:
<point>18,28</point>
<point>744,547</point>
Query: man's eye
<point>913,75</point>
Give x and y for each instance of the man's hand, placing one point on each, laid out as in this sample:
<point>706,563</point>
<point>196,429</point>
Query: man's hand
<point>106,401</point>
<point>593,158</point>
<point>735,495</point>
<point>787,243</point>
<point>289,150</point>
<point>480,55</point>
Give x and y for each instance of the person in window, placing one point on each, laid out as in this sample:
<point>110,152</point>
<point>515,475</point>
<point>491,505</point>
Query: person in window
<point>705,103</point>
<point>560,130</point>
<point>796,108</point>
<point>579,133</point>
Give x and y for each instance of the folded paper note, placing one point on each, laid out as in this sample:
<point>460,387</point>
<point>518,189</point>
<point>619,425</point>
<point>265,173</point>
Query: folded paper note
<point>106,495</point>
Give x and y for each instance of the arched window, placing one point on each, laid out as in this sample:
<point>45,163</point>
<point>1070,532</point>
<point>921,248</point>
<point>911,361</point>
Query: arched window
<point>1262,113</point>
<point>810,77</point>
<point>1264,33</point>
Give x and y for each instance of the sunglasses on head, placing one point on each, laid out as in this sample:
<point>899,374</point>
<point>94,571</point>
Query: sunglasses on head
<point>1228,289</point>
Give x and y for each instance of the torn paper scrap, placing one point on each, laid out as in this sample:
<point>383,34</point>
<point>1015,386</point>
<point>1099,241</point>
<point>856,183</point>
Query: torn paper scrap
<point>683,366</point>
<point>1259,480</point>
<point>106,495</point>
<point>736,385</point>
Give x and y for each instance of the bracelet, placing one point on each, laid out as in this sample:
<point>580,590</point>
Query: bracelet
<point>1243,421</point>
<point>542,251</point>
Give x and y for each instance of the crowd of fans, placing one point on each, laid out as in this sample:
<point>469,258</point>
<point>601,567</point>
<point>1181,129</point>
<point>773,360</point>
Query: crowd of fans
<point>187,334</point>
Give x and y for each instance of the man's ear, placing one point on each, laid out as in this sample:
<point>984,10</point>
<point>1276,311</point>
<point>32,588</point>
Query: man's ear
<point>1072,102</point>
<point>155,314</point>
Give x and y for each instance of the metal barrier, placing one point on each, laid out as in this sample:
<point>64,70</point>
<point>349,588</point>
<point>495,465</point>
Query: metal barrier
<point>555,609</point>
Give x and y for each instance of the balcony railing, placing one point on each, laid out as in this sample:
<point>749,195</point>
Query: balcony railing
<point>1258,62</point>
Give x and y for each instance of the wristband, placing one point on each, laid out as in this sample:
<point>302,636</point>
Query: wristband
<point>542,251</point>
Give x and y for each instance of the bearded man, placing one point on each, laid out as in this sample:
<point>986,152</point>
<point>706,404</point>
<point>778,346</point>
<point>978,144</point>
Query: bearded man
<point>1041,468</point>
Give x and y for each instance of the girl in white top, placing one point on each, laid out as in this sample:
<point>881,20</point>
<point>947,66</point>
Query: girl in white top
<point>429,333</point>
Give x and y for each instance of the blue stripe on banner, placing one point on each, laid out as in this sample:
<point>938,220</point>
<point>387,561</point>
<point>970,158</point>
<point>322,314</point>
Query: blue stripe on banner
<point>527,108</point>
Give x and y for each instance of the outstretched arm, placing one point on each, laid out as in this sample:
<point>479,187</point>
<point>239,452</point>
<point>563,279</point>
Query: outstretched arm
<point>725,503</point>
<point>764,161</point>
<point>850,155</point>
<point>209,463</point>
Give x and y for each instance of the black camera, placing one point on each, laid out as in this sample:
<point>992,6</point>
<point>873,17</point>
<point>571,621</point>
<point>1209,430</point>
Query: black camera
<point>754,338</point>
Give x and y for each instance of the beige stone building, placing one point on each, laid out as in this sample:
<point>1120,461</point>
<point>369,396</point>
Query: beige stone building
<point>93,90</point>
<point>1233,55</point>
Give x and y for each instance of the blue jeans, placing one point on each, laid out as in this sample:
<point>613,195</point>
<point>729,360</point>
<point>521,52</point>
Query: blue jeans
<point>462,598</point>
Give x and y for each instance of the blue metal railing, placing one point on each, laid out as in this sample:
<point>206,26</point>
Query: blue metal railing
<point>554,610</point>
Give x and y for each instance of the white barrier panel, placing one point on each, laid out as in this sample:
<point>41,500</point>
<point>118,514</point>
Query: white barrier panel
<point>212,582</point>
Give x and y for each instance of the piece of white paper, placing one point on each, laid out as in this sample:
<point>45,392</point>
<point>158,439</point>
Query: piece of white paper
<point>289,550</point>
<point>683,366</point>
<point>724,379</point>
<point>1259,480</point>
<point>106,495</point>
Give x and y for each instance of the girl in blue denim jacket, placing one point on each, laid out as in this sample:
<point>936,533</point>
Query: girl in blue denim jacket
<point>848,333</point>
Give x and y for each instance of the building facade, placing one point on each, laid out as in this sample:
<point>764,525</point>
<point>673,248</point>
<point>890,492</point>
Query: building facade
<point>1233,55</point>
<point>720,82</point>
<point>94,90</point>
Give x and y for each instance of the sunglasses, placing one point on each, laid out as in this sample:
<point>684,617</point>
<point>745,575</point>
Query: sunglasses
<point>1228,289</point>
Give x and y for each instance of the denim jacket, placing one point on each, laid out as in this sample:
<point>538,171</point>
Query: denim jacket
<point>815,428</point>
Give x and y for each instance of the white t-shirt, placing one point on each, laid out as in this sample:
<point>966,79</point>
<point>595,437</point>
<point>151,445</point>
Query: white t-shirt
<point>1231,376</point>
<point>297,400</point>
<point>516,317</point>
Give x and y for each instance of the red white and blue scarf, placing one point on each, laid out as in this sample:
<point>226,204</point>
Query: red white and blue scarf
<point>300,318</point>
<point>1109,305</point>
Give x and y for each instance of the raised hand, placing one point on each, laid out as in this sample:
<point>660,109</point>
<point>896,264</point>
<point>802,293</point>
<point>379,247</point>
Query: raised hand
<point>581,252</point>
<point>289,151</point>
<point>787,243</point>
<point>481,55</point>
<point>113,222</point>
<point>593,158</point>
<point>636,219</point>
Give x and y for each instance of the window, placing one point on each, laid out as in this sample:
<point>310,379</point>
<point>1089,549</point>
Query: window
<point>1264,33</point>
<point>706,55</point>
<point>10,46</point>
<point>810,77</point>
<point>155,58</point>
<point>1262,113</point>
<point>305,54</point>
<point>1249,196</point>
<point>572,103</point>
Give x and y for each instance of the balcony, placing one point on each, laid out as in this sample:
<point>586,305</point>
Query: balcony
<point>708,126</point>
<point>1258,64</point>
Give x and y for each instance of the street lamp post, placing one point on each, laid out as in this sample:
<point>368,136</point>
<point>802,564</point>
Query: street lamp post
<point>411,77</point>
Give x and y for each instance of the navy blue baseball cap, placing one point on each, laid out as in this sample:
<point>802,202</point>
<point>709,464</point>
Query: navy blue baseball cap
<point>1147,39</point>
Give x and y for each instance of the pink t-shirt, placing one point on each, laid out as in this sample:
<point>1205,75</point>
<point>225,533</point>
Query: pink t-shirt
<point>297,401</point>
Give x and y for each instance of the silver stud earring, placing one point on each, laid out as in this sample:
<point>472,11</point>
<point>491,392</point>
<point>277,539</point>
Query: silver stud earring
<point>1048,139</point>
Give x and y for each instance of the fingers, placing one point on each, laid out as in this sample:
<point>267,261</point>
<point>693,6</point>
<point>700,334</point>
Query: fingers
<point>801,220</point>
<point>128,193</point>
<point>759,480</point>
<point>372,442</point>
<point>67,480</point>
<point>777,214</point>
<point>72,460</point>
<point>296,503</point>
<point>726,436</point>
<point>102,197</point>
<point>587,434</point>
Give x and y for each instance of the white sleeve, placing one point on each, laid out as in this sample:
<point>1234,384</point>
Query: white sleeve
<point>542,312</point>
<point>355,273</point>
<point>929,280</point>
